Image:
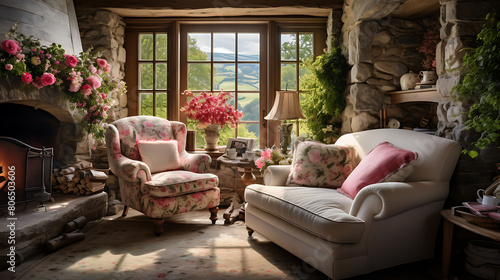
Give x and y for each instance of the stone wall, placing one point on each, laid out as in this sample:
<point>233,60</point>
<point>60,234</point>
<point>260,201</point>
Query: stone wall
<point>461,21</point>
<point>380,51</point>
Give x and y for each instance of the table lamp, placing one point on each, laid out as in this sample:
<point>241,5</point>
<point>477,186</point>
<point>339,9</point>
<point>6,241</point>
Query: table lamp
<point>286,107</point>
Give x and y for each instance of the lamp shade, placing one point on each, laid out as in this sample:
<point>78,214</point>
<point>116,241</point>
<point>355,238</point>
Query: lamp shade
<point>286,107</point>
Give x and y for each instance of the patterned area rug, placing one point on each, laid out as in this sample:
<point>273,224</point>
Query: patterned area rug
<point>189,248</point>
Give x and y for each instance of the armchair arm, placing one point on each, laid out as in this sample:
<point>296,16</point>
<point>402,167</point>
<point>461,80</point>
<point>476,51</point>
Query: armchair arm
<point>199,163</point>
<point>393,198</point>
<point>276,175</point>
<point>129,169</point>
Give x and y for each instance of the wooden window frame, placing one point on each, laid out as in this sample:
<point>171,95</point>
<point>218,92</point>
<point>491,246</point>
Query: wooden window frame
<point>270,75</point>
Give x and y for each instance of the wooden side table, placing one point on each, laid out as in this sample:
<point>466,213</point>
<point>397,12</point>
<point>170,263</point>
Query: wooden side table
<point>449,221</point>
<point>236,210</point>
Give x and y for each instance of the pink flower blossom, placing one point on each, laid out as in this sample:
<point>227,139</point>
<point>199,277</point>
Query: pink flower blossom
<point>11,46</point>
<point>101,63</point>
<point>107,68</point>
<point>92,69</point>
<point>71,61</point>
<point>57,62</point>
<point>92,108</point>
<point>86,90</point>
<point>20,56</point>
<point>8,67</point>
<point>47,79</point>
<point>26,78</point>
<point>95,81</point>
<point>35,60</point>
<point>314,156</point>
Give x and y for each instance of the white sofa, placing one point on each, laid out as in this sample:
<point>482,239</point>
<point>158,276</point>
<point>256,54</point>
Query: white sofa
<point>386,224</point>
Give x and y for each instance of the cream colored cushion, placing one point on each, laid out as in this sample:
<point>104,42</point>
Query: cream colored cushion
<point>320,211</point>
<point>159,155</point>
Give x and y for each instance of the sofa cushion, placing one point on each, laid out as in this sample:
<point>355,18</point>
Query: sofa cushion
<point>385,163</point>
<point>161,155</point>
<point>179,182</point>
<point>320,211</point>
<point>318,165</point>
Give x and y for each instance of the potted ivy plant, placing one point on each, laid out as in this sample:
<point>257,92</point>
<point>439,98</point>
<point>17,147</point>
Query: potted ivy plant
<point>480,87</point>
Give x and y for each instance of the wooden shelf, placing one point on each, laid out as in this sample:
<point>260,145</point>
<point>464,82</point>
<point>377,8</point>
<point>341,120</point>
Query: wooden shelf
<point>415,95</point>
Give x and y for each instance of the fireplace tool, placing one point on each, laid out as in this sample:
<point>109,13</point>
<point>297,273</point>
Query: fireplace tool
<point>43,195</point>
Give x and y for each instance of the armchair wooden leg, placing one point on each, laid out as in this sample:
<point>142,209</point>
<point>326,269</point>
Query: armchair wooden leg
<point>250,231</point>
<point>125,211</point>
<point>213,214</point>
<point>158,226</point>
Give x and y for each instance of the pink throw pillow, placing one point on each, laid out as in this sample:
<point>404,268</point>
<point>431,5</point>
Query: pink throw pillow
<point>159,155</point>
<point>385,163</point>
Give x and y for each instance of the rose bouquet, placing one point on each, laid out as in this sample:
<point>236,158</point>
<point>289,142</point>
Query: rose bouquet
<point>271,157</point>
<point>211,108</point>
<point>428,48</point>
<point>85,78</point>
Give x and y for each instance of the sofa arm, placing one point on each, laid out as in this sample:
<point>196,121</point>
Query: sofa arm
<point>394,198</point>
<point>276,175</point>
<point>199,163</point>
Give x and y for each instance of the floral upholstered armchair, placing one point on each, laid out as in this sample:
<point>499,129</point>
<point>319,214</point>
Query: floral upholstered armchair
<point>157,176</point>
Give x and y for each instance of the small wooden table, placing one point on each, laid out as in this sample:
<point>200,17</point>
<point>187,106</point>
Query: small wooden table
<point>236,210</point>
<point>449,220</point>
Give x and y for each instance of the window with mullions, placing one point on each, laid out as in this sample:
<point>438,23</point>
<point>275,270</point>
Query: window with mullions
<point>295,49</point>
<point>152,74</point>
<point>229,62</point>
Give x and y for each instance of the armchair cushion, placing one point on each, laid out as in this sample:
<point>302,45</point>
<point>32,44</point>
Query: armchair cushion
<point>159,155</point>
<point>385,163</point>
<point>179,182</point>
<point>318,165</point>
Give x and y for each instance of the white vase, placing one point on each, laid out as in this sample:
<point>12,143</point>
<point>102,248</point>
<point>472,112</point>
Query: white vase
<point>409,81</point>
<point>428,77</point>
<point>212,137</point>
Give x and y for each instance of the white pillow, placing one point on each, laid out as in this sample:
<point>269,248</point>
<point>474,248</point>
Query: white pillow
<point>159,155</point>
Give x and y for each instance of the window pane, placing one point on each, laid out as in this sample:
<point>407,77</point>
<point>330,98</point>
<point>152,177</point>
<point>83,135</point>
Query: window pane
<point>249,130</point>
<point>304,74</point>
<point>146,103</point>
<point>305,46</point>
<point>248,103</point>
<point>146,76</point>
<point>248,76</point>
<point>146,47</point>
<point>248,46</point>
<point>224,46</point>
<point>288,76</point>
<point>288,46</point>
<point>161,76</point>
<point>161,46</point>
<point>199,46</point>
<point>224,76</point>
<point>161,104</point>
<point>198,76</point>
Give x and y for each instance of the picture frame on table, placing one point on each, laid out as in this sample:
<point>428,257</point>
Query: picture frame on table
<point>241,145</point>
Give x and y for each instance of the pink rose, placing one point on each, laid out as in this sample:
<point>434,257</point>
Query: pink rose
<point>107,68</point>
<point>11,46</point>
<point>8,67</point>
<point>94,81</point>
<point>101,62</point>
<point>71,61</point>
<point>26,78</point>
<point>47,79</point>
<point>86,89</point>
<point>92,69</point>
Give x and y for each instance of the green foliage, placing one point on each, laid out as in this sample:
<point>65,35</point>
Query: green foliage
<point>326,85</point>
<point>481,85</point>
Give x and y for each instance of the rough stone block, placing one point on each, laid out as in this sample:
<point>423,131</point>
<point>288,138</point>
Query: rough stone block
<point>445,84</point>
<point>360,72</point>
<point>363,122</point>
<point>391,67</point>
<point>366,98</point>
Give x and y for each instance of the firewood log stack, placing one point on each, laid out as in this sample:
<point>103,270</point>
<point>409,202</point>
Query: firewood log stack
<point>80,179</point>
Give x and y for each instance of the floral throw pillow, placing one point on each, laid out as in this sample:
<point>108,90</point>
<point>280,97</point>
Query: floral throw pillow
<point>318,165</point>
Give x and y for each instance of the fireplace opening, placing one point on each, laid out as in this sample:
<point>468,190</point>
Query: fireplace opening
<point>35,127</point>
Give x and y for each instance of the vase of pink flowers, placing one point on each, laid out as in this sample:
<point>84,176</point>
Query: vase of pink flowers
<point>211,111</point>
